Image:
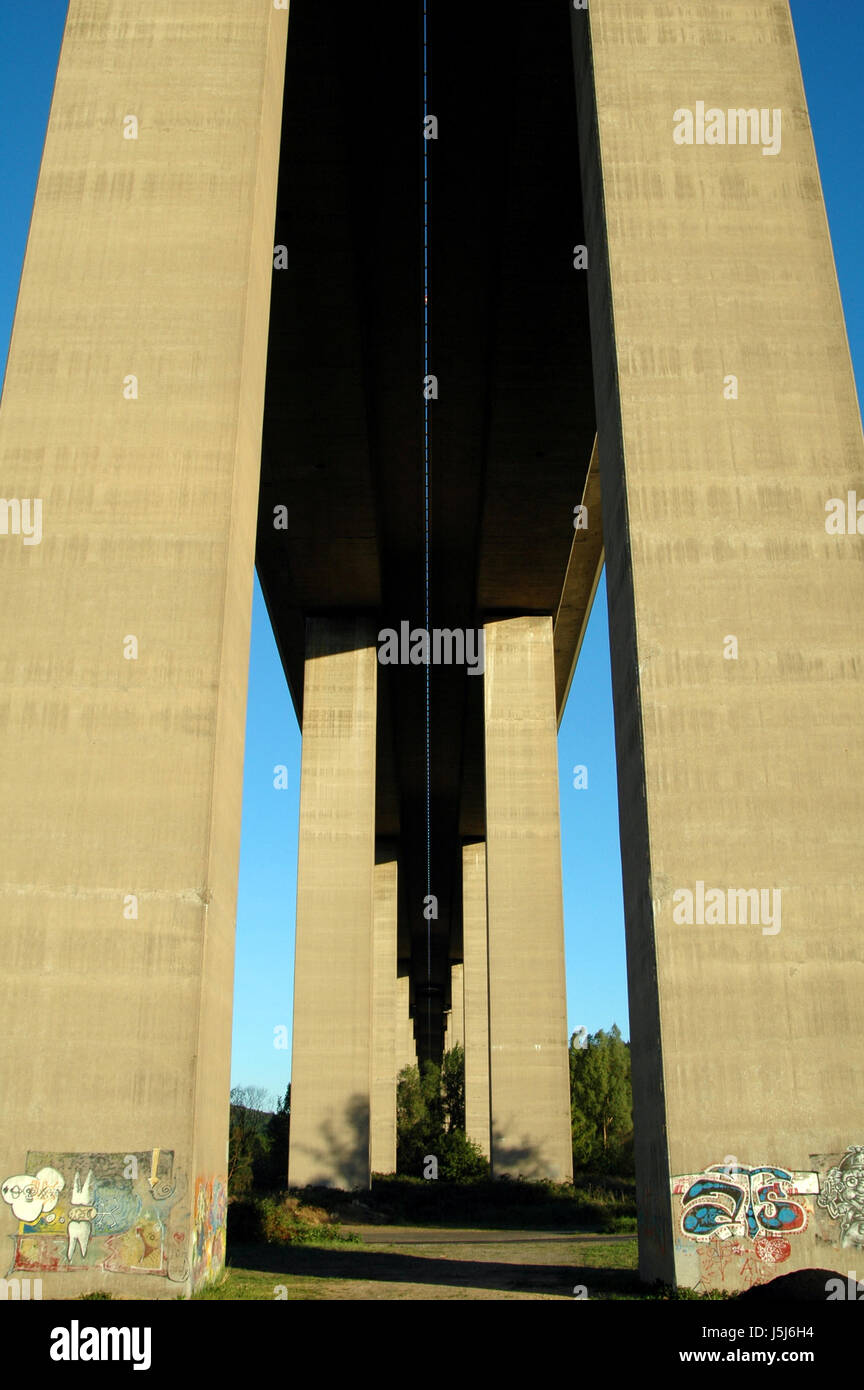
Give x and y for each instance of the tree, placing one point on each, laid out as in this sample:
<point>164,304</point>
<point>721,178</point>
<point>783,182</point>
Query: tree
<point>601,1099</point>
<point>247,1135</point>
<point>418,1115</point>
<point>453,1088</point>
<point>430,1119</point>
<point>270,1169</point>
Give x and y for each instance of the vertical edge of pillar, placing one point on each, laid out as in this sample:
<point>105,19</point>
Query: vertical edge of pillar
<point>331,1067</point>
<point>656,1253</point>
<point>213,1061</point>
<point>528,1061</point>
<point>476,995</point>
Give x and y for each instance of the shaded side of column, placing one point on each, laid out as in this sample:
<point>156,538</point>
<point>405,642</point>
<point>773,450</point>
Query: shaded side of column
<point>331,1069</point>
<point>529,1073</point>
<point>476,994</point>
<point>382,1135</point>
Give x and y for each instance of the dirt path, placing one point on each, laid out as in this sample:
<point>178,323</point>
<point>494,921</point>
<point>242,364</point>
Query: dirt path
<point>398,1263</point>
<point>458,1235</point>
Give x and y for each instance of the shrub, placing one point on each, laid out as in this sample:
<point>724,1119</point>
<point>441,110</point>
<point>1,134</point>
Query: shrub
<point>280,1219</point>
<point>460,1159</point>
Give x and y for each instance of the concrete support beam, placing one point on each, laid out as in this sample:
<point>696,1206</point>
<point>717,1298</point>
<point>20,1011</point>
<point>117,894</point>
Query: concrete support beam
<point>382,1132</point>
<point>727,422</point>
<point>529,1073</point>
<point>132,411</point>
<point>331,1073</point>
<point>584,569</point>
<point>476,994</point>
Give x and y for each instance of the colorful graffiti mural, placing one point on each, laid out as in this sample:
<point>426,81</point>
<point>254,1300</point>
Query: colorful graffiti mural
<point>121,1213</point>
<point>842,1196</point>
<point>210,1209</point>
<point>761,1206</point>
<point>736,1223</point>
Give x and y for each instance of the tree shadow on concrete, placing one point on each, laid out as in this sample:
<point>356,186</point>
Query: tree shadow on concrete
<point>371,1266</point>
<point>345,1154</point>
<point>517,1160</point>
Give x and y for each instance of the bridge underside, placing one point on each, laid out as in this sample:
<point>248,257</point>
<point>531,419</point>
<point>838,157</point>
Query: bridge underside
<point>511,431</point>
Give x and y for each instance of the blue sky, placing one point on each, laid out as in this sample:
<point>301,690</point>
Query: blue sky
<point>830,38</point>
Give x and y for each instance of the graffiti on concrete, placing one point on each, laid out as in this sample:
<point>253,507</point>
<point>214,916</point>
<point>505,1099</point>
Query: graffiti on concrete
<point>842,1195</point>
<point>120,1213</point>
<point>82,1214</point>
<point>208,1255</point>
<point>30,1196</point>
<point>732,1202</point>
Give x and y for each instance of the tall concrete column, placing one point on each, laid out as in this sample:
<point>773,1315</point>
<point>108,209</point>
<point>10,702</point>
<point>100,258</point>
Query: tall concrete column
<point>529,1075</point>
<point>382,1134</point>
<point>728,422</point>
<point>131,416</point>
<point>476,994</point>
<point>331,1069</point>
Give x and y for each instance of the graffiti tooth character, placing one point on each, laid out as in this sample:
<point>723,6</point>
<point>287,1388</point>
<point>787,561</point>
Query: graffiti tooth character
<point>81,1214</point>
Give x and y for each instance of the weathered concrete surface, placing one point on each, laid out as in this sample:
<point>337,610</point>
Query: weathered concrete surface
<point>120,779</point>
<point>529,1075</point>
<point>476,994</point>
<point>382,1127</point>
<point>738,773</point>
<point>331,1069</point>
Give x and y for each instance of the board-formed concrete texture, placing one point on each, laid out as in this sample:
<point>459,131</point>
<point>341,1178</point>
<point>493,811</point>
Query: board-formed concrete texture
<point>132,410</point>
<point>528,1064</point>
<point>727,420</point>
<point>222,316</point>
<point>344,913</point>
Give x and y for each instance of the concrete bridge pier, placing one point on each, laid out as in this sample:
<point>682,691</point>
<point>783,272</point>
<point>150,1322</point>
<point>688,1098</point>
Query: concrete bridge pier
<point>528,1066</point>
<point>340,897</point>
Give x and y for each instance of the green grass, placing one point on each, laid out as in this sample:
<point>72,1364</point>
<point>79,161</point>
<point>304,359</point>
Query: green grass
<point>480,1271</point>
<point>245,1285</point>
